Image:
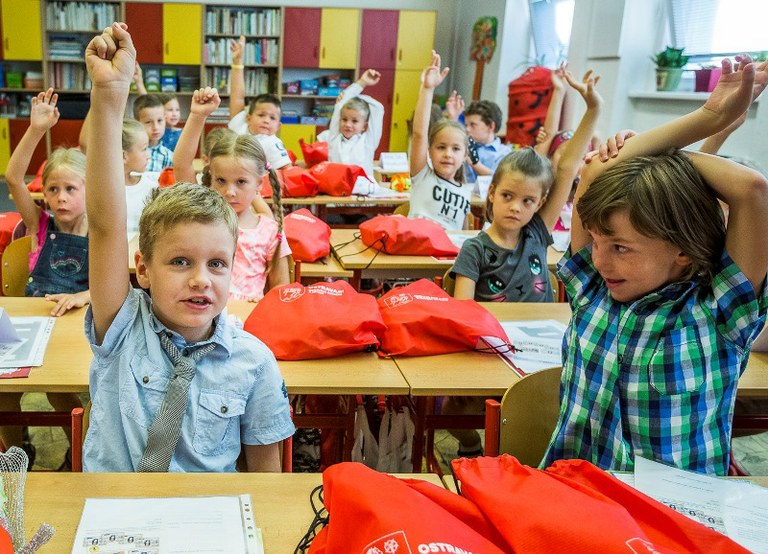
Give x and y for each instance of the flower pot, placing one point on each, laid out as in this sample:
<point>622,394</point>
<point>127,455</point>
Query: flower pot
<point>702,80</point>
<point>714,77</point>
<point>668,78</point>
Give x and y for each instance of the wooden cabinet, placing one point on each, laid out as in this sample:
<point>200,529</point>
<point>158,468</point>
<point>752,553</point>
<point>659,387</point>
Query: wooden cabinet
<point>378,39</point>
<point>22,39</point>
<point>415,39</point>
<point>290,133</point>
<point>384,92</point>
<point>406,92</point>
<point>16,130</point>
<point>301,37</point>
<point>145,21</point>
<point>66,133</point>
<point>321,37</point>
<point>182,33</point>
<point>5,145</point>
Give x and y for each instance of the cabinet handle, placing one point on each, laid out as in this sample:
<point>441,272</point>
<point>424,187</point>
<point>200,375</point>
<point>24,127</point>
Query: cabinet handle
<point>6,44</point>
<point>166,48</point>
<point>4,135</point>
<point>397,98</point>
<point>314,53</point>
<point>323,53</point>
<point>400,55</point>
<point>392,55</point>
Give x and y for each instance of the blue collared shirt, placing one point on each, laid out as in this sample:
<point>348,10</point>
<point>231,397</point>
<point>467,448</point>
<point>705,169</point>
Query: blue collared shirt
<point>490,155</point>
<point>237,395</point>
<point>159,157</point>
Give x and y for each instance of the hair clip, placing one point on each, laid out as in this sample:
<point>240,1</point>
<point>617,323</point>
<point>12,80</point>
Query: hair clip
<point>267,166</point>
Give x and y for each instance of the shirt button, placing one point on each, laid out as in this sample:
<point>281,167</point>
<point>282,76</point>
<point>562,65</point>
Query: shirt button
<point>145,380</point>
<point>223,409</point>
<point>53,236</point>
<point>185,352</point>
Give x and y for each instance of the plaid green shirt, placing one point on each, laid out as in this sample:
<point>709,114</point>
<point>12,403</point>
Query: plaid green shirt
<point>655,377</point>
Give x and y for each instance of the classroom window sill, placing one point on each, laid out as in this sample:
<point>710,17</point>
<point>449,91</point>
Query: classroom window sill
<point>672,95</point>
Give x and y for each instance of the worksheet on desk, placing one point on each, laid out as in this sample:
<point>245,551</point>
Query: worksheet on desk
<point>535,344</point>
<point>192,525</point>
<point>33,334</point>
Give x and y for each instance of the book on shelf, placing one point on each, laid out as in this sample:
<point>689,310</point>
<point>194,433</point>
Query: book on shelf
<point>256,80</point>
<point>257,52</point>
<point>242,21</point>
<point>81,16</point>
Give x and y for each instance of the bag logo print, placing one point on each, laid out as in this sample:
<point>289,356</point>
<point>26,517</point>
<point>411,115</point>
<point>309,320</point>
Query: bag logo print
<point>392,543</point>
<point>398,300</point>
<point>641,546</point>
<point>289,294</point>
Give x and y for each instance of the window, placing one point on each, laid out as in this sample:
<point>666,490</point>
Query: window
<point>551,22</point>
<point>724,27</point>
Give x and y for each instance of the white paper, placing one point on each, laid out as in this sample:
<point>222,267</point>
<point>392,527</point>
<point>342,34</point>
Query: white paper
<point>194,525</point>
<point>538,344</point>
<point>34,334</point>
<point>482,185</point>
<point>458,238</point>
<point>394,162</point>
<point>561,240</point>
<point>8,332</point>
<point>377,191</point>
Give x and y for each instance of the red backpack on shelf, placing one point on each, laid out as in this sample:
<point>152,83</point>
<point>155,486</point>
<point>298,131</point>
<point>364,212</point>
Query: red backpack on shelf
<point>529,97</point>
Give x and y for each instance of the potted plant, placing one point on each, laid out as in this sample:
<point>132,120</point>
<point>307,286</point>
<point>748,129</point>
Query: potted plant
<point>669,67</point>
<point>706,78</point>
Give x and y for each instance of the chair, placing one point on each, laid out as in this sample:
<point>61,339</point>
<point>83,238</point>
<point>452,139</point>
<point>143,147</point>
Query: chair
<point>81,418</point>
<point>294,270</point>
<point>19,231</point>
<point>448,282</point>
<point>523,423</point>
<point>403,209</point>
<point>15,270</point>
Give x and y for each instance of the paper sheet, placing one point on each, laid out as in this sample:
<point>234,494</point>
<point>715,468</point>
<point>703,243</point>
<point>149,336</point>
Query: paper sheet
<point>538,345</point>
<point>194,525</point>
<point>34,334</point>
<point>458,238</point>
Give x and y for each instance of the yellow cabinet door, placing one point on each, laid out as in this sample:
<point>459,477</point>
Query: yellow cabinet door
<point>415,39</point>
<point>339,31</point>
<point>182,33</point>
<point>5,145</point>
<point>407,84</point>
<point>290,133</point>
<point>21,30</point>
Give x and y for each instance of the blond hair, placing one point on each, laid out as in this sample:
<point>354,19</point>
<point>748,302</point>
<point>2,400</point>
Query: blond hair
<point>450,124</point>
<point>179,204</point>
<point>359,105</point>
<point>665,198</point>
<point>132,130</point>
<point>528,163</point>
<point>214,136</point>
<point>71,159</point>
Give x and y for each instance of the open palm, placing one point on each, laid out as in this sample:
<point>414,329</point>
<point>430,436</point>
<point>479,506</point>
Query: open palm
<point>736,88</point>
<point>44,114</point>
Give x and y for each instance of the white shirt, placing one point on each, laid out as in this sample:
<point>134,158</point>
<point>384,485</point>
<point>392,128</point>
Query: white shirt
<point>136,198</point>
<point>439,200</point>
<point>273,147</point>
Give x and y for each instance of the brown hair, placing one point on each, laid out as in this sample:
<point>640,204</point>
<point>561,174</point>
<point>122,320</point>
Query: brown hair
<point>265,98</point>
<point>146,101</point>
<point>449,124</point>
<point>526,162</point>
<point>214,136</point>
<point>665,198</point>
<point>488,111</point>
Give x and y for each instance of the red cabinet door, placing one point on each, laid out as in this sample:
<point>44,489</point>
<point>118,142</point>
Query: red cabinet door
<point>66,133</point>
<point>145,22</point>
<point>383,92</point>
<point>301,37</point>
<point>16,130</point>
<point>378,40</point>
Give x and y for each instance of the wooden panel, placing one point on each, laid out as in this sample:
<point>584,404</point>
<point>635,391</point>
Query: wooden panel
<point>21,30</point>
<point>182,33</point>
<point>291,133</point>
<point>17,128</point>
<point>339,38</point>
<point>378,39</point>
<point>66,133</point>
<point>384,92</point>
<point>407,84</point>
<point>301,37</point>
<point>5,145</point>
<point>1,34</point>
<point>145,22</point>
<point>415,39</point>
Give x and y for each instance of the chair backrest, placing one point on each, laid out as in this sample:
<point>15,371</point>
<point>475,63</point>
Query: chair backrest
<point>19,231</point>
<point>15,266</point>
<point>448,283</point>
<point>403,209</point>
<point>294,270</point>
<point>528,415</point>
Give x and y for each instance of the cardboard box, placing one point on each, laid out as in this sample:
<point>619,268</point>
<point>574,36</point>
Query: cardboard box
<point>328,91</point>
<point>313,120</point>
<point>292,88</point>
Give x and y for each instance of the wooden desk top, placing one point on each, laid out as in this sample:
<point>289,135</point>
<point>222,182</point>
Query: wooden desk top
<point>281,501</point>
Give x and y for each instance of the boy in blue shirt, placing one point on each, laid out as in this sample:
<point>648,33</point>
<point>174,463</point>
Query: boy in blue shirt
<point>174,387</point>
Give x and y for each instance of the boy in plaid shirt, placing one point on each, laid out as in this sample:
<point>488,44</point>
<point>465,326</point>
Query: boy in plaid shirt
<point>665,301</point>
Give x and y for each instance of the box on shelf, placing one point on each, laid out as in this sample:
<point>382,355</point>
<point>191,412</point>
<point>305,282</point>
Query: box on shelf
<point>308,86</point>
<point>328,91</point>
<point>313,120</point>
<point>168,84</point>
<point>344,83</point>
<point>152,79</point>
<point>13,79</point>
<point>289,116</point>
<point>2,76</point>
<point>292,88</point>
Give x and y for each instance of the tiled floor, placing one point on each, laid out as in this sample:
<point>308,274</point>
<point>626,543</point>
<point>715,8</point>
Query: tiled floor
<point>50,442</point>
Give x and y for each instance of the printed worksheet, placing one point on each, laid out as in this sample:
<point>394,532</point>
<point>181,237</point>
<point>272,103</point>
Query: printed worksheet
<point>27,347</point>
<point>534,345</point>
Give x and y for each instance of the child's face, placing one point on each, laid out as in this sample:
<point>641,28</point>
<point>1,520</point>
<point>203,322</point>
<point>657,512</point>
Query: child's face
<point>172,113</point>
<point>515,198</point>
<point>137,156</point>
<point>64,192</point>
<point>189,276</point>
<point>153,120</point>
<point>481,132</point>
<point>352,123</point>
<point>238,180</point>
<point>633,265</point>
<point>447,152</point>
<point>264,120</point>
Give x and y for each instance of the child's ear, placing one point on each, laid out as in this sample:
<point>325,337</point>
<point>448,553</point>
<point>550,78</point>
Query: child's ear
<point>142,273</point>
<point>125,156</point>
<point>683,260</point>
<point>492,125</point>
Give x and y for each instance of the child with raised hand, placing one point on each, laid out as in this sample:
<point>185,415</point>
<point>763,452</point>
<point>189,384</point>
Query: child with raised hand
<point>666,301</point>
<point>262,118</point>
<point>356,125</point>
<point>438,191</point>
<point>172,112</point>
<point>173,385</point>
<point>139,183</point>
<point>508,262</point>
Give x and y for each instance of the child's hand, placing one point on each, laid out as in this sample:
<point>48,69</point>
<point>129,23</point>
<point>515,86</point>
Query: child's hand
<point>541,135</point>
<point>237,47</point>
<point>558,77</point>
<point>44,113</point>
<point>432,75</point>
<point>454,106</point>
<point>586,88</point>
<point>369,78</point>
<point>205,101</point>
<point>111,57</point>
<point>611,147</point>
<point>737,87</point>
<point>66,302</point>
<point>138,74</point>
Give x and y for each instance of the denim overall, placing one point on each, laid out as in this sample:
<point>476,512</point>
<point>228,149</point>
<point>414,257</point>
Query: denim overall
<point>62,266</point>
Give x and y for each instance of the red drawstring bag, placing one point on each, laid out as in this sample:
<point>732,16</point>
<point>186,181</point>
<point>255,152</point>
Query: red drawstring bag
<point>372,512</point>
<point>308,236</point>
<point>350,321</point>
<point>337,179</point>
<point>294,182</point>
<point>422,319</point>
<point>396,234</point>
<point>36,184</point>
<point>314,153</point>
<point>594,511</point>
<point>166,178</point>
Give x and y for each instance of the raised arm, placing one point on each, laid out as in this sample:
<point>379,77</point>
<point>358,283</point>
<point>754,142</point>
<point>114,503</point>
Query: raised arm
<point>571,161</point>
<point>237,77</point>
<point>43,115</point>
<point>138,80</point>
<point>554,110</point>
<point>204,103</point>
<point>454,106</point>
<point>431,78</point>
<point>110,59</point>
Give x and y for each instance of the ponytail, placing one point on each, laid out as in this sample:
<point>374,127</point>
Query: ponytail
<point>277,210</point>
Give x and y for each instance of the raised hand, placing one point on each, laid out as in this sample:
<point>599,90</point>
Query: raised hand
<point>541,135</point>
<point>610,148</point>
<point>586,88</point>
<point>138,74</point>
<point>369,78</point>
<point>432,75</point>
<point>44,114</point>
<point>454,106</point>
<point>558,77</point>
<point>738,85</point>
<point>111,57</point>
<point>237,47</point>
<point>205,101</point>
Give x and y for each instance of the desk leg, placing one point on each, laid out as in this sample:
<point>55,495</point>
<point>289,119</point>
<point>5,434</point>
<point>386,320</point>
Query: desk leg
<point>349,429</point>
<point>418,432</point>
<point>357,275</point>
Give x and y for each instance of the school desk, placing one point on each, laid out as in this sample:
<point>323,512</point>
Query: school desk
<point>280,500</point>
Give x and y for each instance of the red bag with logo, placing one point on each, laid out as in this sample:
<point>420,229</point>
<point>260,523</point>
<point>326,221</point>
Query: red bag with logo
<point>314,153</point>
<point>594,511</point>
<point>337,179</point>
<point>396,234</point>
<point>287,321</point>
<point>294,182</point>
<point>166,178</point>
<point>308,236</point>
<point>422,319</point>
<point>372,512</point>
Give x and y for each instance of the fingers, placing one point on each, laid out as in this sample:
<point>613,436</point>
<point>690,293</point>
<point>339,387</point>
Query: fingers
<point>589,156</point>
<point>444,72</point>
